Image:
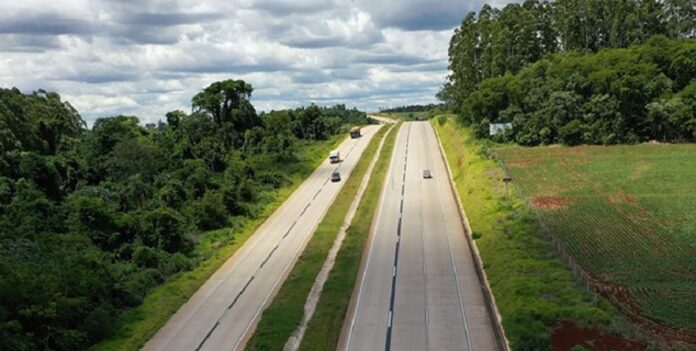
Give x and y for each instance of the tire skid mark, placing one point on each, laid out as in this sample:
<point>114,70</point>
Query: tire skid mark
<point>207,336</point>
<point>269,255</point>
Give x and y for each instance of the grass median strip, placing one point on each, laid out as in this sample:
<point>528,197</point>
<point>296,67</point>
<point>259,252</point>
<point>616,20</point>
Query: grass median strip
<point>138,325</point>
<point>324,328</point>
<point>285,312</point>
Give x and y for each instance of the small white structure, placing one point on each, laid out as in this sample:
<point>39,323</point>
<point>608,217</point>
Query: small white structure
<point>497,128</point>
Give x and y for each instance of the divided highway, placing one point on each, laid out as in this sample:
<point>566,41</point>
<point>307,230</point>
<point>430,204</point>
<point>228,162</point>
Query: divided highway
<point>223,312</point>
<point>418,289</point>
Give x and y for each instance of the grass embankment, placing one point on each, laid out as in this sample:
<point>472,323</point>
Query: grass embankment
<point>324,328</point>
<point>626,214</point>
<point>138,325</point>
<point>533,289</point>
<point>284,314</point>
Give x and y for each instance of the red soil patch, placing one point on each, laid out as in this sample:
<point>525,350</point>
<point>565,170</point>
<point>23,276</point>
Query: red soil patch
<point>628,305</point>
<point>549,202</point>
<point>568,334</point>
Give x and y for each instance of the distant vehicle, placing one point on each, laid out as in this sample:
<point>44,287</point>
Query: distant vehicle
<point>335,177</point>
<point>355,132</point>
<point>426,174</point>
<point>335,157</point>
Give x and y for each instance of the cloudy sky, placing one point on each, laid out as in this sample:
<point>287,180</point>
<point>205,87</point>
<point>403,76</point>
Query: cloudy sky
<point>145,58</point>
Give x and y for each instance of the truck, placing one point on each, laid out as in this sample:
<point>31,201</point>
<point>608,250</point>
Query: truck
<point>355,132</point>
<point>334,157</point>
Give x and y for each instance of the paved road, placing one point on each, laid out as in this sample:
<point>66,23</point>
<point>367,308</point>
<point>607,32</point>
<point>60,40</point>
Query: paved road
<point>382,119</point>
<point>418,289</point>
<point>224,311</point>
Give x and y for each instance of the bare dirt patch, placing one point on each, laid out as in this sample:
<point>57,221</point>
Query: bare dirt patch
<point>568,335</point>
<point>674,337</point>
<point>550,202</point>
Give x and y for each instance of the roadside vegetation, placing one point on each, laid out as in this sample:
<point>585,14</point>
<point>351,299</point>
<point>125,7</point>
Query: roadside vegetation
<point>415,112</point>
<point>324,329</point>
<point>105,232</point>
<point>577,72</point>
<point>534,291</point>
<point>285,313</point>
<point>626,215</point>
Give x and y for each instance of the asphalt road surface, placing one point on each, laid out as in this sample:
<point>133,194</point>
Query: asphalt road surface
<point>418,289</point>
<point>222,314</point>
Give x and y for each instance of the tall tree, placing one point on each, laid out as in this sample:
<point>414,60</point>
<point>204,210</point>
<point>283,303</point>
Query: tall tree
<point>228,103</point>
<point>464,58</point>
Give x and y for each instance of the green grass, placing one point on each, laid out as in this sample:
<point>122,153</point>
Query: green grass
<point>139,324</point>
<point>285,313</point>
<point>626,214</point>
<point>532,287</point>
<point>325,326</point>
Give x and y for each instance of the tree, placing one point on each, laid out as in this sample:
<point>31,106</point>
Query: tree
<point>464,58</point>
<point>571,133</point>
<point>174,117</point>
<point>94,218</point>
<point>680,16</point>
<point>163,229</point>
<point>228,103</point>
<point>221,98</point>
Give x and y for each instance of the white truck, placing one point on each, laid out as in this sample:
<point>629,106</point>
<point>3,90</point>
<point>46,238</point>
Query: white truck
<point>334,157</point>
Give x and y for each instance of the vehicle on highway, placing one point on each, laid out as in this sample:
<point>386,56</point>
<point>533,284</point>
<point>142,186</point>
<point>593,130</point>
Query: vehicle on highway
<point>426,174</point>
<point>335,157</point>
<point>355,132</point>
<point>336,177</point>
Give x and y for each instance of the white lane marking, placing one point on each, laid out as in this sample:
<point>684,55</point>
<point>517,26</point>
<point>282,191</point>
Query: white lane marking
<point>369,252</point>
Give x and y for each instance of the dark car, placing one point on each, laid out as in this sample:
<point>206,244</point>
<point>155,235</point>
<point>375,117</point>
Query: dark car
<point>426,174</point>
<point>336,177</point>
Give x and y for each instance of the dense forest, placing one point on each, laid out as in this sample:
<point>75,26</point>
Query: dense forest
<point>92,219</point>
<point>577,71</point>
<point>412,108</point>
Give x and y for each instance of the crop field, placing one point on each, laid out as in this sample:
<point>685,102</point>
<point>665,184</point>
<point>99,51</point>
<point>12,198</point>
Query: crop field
<point>627,215</point>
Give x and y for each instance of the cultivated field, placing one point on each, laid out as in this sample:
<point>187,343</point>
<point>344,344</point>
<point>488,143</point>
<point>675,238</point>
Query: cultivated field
<point>627,214</point>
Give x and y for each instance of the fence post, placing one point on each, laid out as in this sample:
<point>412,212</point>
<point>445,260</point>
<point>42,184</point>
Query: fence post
<point>576,270</point>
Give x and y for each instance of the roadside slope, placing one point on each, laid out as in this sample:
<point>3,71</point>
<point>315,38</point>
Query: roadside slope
<point>138,325</point>
<point>534,290</point>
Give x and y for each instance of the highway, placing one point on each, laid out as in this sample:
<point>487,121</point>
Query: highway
<point>222,314</point>
<point>418,289</point>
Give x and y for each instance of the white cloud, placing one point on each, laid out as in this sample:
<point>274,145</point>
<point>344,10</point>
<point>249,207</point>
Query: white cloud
<point>111,57</point>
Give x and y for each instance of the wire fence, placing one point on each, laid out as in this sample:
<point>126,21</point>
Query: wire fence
<point>579,273</point>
